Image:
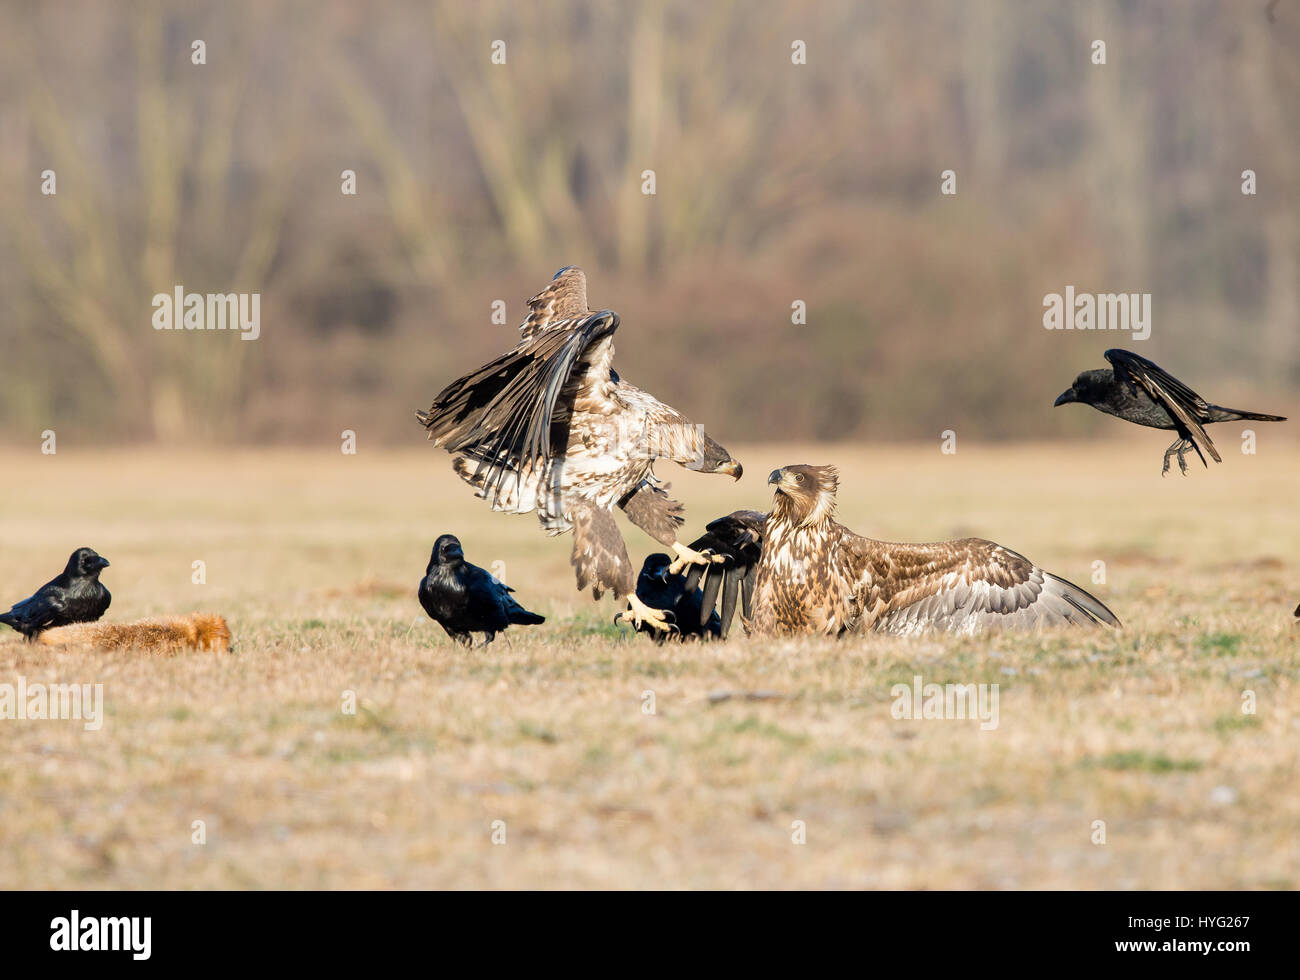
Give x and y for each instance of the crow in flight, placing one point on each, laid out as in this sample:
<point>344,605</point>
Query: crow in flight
<point>660,587</point>
<point>74,596</point>
<point>1140,392</point>
<point>465,599</point>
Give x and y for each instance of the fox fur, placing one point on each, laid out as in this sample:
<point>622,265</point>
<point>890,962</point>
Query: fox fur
<point>199,631</point>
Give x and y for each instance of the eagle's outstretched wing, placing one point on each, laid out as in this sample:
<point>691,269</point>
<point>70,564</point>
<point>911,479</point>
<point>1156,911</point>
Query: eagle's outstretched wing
<point>1184,406</point>
<point>964,586</point>
<point>513,413</point>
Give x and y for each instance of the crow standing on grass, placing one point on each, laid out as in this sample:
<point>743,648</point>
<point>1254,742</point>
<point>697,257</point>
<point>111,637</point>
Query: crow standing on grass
<point>74,596</point>
<point>1140,392</point>
<point>465,599</point>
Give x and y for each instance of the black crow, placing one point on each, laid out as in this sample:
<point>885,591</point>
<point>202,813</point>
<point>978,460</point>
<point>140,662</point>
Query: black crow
<point>658,586</point>
<point>1140,392</point>
<point>74,596</point>
<point>465,599</point>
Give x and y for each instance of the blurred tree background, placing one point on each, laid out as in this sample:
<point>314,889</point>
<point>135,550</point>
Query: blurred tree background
<point>775,182</point>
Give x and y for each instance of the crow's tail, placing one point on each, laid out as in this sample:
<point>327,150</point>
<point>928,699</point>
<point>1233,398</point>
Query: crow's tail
<point>523,617</point>
<point>1218,413</point>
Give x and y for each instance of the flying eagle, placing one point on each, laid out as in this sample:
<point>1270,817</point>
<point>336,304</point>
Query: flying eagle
<point>550,427</point>
<point>798,570</point>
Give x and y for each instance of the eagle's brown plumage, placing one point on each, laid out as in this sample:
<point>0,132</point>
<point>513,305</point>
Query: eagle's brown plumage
<point>550,427</point>
<point>814,575</point>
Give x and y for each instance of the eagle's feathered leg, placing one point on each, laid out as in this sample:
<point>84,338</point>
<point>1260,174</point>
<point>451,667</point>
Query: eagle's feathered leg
<point>601,562</point>
<point>653,511</point>
<point>689,556</point>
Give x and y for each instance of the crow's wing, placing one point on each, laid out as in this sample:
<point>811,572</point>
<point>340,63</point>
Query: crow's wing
<point>41,610</point>
<point>503,414</point>
<point>738,537</point>
<point>1185,407</point>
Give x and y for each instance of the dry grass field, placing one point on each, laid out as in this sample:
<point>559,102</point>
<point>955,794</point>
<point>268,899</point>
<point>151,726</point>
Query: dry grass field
<point>314,558</point>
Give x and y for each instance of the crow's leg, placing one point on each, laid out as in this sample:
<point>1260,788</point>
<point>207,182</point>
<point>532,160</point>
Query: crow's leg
<point>1184,447</point>
<point>1179,447</point>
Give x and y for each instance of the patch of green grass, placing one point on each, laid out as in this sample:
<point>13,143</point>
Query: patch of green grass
<point>342,754</point>
<point>1223,644</point>
<point>757,726</point>
<point>596,757</point>
<point>654,668</point>
<point>1226,724</point>
<point>1137,760</point>
<point>836,756</point>
<point>529,730</point>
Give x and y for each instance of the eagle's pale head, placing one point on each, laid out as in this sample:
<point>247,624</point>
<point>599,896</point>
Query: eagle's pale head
<point>805,495</point>
<point>712,457</point>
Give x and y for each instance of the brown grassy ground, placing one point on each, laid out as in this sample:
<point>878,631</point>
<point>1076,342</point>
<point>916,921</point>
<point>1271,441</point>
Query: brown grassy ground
<point>314,558</point>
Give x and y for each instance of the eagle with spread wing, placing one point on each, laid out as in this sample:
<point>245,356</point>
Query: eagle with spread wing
<point>550,427</point>
<point>798,570</point>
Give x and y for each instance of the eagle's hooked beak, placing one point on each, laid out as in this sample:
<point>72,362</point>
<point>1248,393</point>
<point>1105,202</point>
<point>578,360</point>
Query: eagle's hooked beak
<point>774,476</point>
<point>732,468</point>
<point>1065,397</point>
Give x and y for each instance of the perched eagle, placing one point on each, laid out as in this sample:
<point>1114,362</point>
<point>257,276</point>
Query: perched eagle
<point>550,427</point>
<point>798,570</point>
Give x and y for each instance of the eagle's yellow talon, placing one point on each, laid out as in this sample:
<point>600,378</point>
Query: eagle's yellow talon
<point>689,556</point>
<point>638,613</point>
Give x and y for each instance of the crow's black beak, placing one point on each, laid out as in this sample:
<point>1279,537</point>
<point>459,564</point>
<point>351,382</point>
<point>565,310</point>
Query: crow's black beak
<point>103,563</point>
<point>774,476</point>
<point>1064,398</point>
